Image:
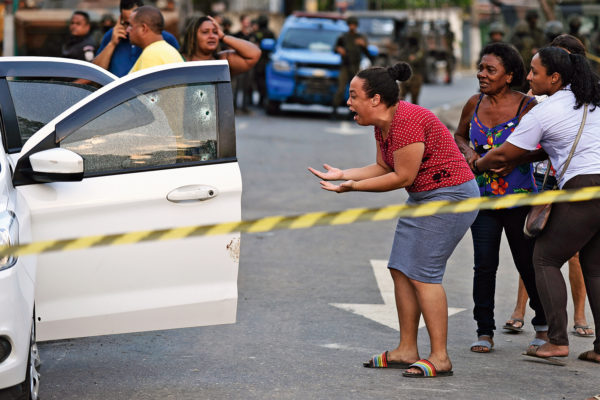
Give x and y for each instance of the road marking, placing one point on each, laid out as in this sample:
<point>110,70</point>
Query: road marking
<point>384,314</point>
<point>348,128</point>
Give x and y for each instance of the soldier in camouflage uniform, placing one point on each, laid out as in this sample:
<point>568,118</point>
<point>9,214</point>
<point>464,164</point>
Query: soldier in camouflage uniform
<point>528,38</point>
<point>413,54</point>
<point>351,46</point>
<point>574,27</point>
<point>553,29</point>
<point>496,34</point>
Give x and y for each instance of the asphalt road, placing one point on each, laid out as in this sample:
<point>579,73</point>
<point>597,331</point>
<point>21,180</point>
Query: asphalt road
<point>291,341</point>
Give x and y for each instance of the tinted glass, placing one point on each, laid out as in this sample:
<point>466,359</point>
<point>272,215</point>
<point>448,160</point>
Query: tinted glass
<point>37,102</point>
<point>311,39</point>
<point>170,126</point>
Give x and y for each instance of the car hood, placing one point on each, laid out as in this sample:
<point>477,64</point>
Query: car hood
<point>305,56</point>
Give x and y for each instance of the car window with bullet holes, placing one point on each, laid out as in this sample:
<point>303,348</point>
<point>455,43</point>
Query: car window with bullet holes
<point>157,134</point>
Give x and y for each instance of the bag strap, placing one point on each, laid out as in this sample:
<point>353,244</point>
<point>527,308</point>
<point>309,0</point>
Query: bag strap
<point>562,173</point>
<point>546,174</point>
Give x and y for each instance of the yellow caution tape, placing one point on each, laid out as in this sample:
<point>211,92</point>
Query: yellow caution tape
<point>309,220</point>
<point>593,57</point>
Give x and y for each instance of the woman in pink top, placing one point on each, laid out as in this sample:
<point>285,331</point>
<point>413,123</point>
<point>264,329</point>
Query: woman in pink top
<point>417,152</point>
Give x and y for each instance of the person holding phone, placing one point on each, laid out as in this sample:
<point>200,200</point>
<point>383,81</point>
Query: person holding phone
<point>116,53</point>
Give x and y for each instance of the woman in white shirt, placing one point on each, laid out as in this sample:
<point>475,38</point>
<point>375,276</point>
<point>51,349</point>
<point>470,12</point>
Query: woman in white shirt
<point>571,86</point>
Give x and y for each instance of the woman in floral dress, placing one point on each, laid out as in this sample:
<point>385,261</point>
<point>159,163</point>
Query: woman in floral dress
<point>487,120</point>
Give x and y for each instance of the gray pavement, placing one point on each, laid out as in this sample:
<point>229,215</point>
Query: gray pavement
<point>290,341</point>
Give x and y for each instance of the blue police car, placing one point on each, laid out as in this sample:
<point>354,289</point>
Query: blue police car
<point>304,66</point>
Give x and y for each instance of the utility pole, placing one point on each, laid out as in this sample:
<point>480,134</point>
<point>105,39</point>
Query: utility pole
<point>8,41</point>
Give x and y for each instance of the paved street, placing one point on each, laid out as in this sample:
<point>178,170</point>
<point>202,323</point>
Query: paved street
<point>313,303</point>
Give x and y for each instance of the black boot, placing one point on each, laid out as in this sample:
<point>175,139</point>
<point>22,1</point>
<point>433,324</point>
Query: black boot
<point>334,114</point>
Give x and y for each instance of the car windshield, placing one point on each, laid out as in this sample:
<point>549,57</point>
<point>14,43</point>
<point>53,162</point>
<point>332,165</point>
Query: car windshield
<point>376,26</point>
<point>310,39</point>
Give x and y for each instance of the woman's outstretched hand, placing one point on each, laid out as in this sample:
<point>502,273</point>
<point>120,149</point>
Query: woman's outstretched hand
<point>341,188</point>
<point>332,174</point>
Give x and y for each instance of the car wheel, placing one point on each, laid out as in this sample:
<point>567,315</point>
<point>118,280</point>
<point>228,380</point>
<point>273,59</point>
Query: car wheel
<point>29,388</point>
<point>33,366</point>
<point>273,107</point>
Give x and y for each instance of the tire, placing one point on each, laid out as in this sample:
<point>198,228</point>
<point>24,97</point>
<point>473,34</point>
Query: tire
<point>273,107</point>
<point>29,388</point>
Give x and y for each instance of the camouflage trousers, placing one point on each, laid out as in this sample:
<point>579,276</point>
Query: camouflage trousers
<point>412,86</point>
<point>347,72</point>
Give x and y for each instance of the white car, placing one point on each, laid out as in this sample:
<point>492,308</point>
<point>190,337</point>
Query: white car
<point>153,150</point>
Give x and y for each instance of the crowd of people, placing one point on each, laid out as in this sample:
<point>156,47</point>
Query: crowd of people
<point>138,40</point>
<point>516,120</point>
<point>528,37</point>
<point>502,132</point>
<point>110,46</point>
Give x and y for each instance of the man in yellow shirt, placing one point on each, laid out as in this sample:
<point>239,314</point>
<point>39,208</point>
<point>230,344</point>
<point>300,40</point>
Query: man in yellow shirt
<point>146,24</point>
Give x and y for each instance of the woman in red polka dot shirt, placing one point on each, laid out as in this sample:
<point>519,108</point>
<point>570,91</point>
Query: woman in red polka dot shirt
<point>417,152</point>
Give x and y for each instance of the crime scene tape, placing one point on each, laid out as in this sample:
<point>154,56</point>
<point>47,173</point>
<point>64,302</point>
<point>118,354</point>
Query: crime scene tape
<point>309,220</point>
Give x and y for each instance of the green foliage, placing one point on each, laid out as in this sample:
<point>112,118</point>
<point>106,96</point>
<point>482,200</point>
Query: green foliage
<point>326,5</point>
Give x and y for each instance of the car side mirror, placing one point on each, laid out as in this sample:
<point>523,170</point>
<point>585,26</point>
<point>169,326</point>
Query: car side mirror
<point>267,44</point>
<point>373,50</point>
<point>56,165</point>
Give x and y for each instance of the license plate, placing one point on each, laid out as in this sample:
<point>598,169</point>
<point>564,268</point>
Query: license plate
<point>319,73</point>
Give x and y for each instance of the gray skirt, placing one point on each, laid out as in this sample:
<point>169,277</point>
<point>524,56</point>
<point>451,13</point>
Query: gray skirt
<point>423,245</point>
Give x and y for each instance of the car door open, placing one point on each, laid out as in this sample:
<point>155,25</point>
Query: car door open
<point>161,134</point>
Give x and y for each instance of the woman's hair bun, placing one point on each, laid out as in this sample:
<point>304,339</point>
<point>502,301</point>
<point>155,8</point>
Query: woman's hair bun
<point>400,71</point>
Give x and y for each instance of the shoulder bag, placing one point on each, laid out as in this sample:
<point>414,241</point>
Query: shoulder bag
<point>538,214</point>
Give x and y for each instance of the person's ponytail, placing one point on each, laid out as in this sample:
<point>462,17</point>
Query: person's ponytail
<point>585,83</point>
<point>383,81</point>
<point>400,71</point>
<point>573,69</point>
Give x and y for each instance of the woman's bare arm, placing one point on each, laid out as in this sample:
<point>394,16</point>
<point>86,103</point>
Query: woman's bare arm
<point>242,55</point>
<point>461,136</point>
<point>354,174</point>
<point>407,161</point>
<point>499,157</point>
<point>377,177</point>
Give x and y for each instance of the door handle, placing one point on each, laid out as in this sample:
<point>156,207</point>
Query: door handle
<point>192,193</point>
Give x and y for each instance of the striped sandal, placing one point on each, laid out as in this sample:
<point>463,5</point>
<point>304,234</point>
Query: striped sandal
<point>381,361</point>
<point>428,370</point>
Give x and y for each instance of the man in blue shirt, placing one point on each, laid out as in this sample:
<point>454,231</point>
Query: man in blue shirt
<point>116,53</point>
